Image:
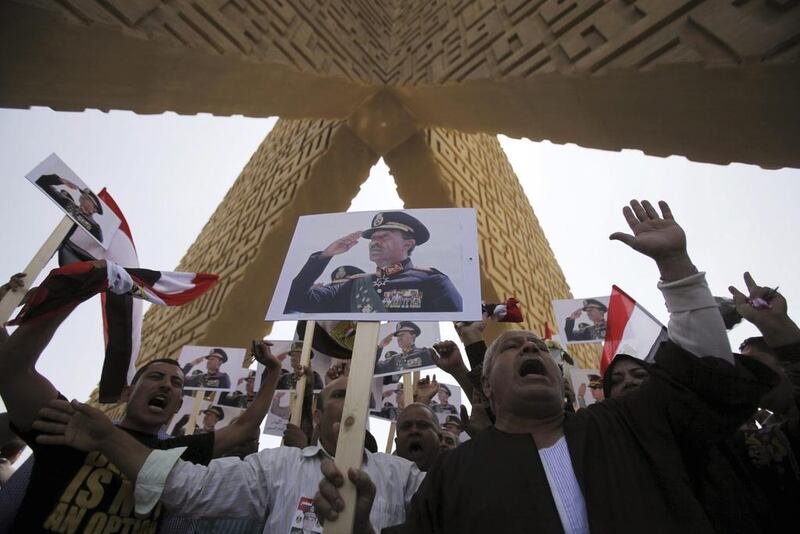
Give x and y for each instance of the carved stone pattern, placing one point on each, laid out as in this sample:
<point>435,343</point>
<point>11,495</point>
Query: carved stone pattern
<point>514,253</point>
<point>437,41</point>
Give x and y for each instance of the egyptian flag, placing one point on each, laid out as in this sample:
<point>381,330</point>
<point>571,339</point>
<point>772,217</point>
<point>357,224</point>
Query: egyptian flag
<point>66,287</point>
<point>630,329</point>
<point>122,314</point>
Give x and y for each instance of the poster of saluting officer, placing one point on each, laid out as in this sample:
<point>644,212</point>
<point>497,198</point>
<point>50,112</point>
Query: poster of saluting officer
<point>217,368</point>
<point>55,179</point>
<point>372,266</point>
<point>404,346</point>
<point>582,320</point>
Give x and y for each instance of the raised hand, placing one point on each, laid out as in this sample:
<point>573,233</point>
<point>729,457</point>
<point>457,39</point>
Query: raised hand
<point>336,370</point>
<point>447,356</point>
<point>383,343</point>
<point>294,436</point>
<point>658,237</point>
<point>263,355</point>
<point>425,389</point>
<point>577,313</point>
<point>767,310</point>
<point>74,424</point>
<point>342,245</point>
<point>15,283</point>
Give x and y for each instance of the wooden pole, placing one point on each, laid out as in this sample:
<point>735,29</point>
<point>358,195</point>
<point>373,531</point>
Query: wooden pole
<point>350,445</point>
<point>408,389</point>
<point>300,388</point>
<point>198,402</point>
<point>390,439</point>
<point>39,261</point>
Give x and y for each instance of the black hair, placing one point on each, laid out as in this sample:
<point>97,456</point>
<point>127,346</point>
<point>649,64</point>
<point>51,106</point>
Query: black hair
<point>140,370</point>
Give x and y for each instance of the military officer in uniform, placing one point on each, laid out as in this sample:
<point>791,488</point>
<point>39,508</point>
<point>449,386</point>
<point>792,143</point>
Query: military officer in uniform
<point>213,415</point>
<point>596,311</point>
<point>410,357</point>
<point>88,203</point>
<point>396,286</point>
<point>213,378</point>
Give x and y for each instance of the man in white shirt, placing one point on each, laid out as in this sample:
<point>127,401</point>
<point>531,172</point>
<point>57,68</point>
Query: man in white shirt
<point>272,484</point>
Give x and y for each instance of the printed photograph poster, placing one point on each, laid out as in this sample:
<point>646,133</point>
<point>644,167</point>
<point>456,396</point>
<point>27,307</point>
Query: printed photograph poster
<point>245,392</point>
<point>279,413</point>
<point>56,180</point>
<point>389,398</point>
<point>404,346</point>
<point>288,353</point>
<point>215,368</point>
<point>419,265</point>
<point>587,384</point>
<point>212,417</point>
<point>581,320</point>
<point>447,402</point>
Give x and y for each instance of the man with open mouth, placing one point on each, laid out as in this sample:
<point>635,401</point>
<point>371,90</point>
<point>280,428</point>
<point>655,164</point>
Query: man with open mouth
<point>78,491</point>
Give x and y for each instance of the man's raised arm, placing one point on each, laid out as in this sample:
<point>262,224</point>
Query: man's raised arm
<point>695,323</point>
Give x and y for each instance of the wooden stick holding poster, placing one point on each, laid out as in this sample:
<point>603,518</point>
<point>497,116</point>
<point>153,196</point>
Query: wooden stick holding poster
<point>390,439</point>
<point>408,389</point>
<point>300,388</point>
<point>12,299</point>
<point>350,445</point>
<point>198,402</point>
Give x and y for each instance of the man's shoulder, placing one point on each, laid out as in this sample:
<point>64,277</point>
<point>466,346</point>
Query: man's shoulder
<point>426,272</point>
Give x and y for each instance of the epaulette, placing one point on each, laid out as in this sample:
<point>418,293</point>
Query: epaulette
<point>424,269</point>
<point>359,275</point>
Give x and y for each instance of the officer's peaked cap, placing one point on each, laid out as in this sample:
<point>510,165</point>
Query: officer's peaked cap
<point>406,326</point>
<point>217,411</point>
<point>218,353</point>
<point>594,303</point>
<point>398,220</point>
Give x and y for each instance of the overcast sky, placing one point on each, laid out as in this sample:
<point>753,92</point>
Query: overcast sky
<point>169,172</point>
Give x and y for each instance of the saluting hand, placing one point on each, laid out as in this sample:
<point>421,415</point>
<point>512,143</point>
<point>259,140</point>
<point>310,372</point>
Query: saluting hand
<point>342,245</point>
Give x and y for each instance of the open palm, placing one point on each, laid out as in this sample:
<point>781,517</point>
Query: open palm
<point>654,235</point>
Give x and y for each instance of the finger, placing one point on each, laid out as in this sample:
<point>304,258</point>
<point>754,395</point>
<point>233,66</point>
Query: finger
<point>650,210</point>
<point>738,297</point>
<point>666,212</point>
<point>51,439</point>
<point>81,407</point>
<point>434,355</point>
<point>50,414</point>
<point>749,282</point>
<point>331,494</point>
<point>323,507</point>
<point>625,238</point>
<point>630,218</point>
<point>639,211</point>
<point>332,473</point>
<point>49,427</point>
<point>464,415</point>
<point>364,485</point>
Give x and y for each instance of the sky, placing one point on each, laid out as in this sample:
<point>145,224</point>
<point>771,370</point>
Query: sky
<point>169,172</point>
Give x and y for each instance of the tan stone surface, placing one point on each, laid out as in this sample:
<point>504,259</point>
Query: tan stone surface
<point>713,80</point>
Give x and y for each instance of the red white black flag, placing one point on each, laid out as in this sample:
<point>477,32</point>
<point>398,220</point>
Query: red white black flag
<point>630,329</point>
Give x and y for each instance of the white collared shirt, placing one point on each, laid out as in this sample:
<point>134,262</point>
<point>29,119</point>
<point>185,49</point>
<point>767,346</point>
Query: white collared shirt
<point>268,483</point>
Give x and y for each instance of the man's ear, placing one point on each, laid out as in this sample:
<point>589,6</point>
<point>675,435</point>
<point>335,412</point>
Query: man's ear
<point>411,243</point>
<point>486,386</point>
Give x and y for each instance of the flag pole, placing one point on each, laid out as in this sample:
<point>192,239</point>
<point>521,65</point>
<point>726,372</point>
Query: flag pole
<point>350,445</point>
<point>12,299</point>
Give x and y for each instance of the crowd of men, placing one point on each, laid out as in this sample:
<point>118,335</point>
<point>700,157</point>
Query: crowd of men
<point>701,439</point>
